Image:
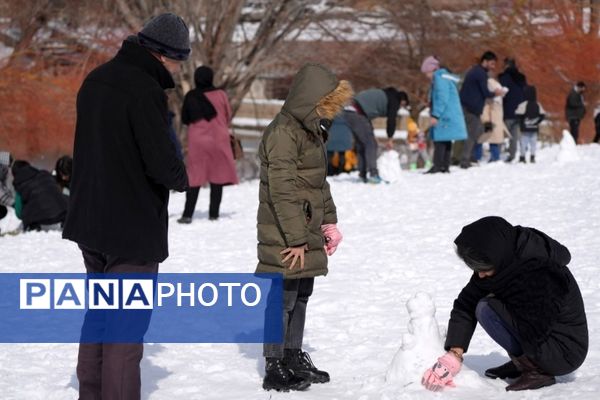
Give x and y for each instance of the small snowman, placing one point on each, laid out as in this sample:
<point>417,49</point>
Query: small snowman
<point>420,345</point>
<point>388,165</point>
<point>568,149</point>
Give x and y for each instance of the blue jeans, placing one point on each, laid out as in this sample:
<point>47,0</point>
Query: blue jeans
<point>498,323</point>
<point>494,151</point>
<point>528,142</point>
<point>478,151</point>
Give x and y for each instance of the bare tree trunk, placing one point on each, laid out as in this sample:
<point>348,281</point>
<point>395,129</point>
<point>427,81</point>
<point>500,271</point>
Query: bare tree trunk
<point>594,18</point>
<point>29,25</point>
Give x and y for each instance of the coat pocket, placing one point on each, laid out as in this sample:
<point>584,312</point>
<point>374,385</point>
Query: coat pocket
<point>307,209</point>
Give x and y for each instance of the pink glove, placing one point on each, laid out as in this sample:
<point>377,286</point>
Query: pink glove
<point>333,237</point>
<point>442,372</point>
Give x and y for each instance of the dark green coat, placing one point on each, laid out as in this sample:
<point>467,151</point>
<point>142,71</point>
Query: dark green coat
<point>294,196</point>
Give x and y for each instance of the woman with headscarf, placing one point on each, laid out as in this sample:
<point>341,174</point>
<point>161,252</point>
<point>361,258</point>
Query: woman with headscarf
<point>524,297</point>
<point>207,114</point>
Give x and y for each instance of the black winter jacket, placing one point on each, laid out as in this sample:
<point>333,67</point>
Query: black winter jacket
<point>43,203</point>
<point>562,342</point>
<point>124,162</point>
<point>474,90</point>
<point>574,106</point>
<point>515,81</point>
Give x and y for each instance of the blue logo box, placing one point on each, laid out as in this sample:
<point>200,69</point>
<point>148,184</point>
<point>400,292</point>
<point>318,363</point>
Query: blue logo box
<point>131,308</point>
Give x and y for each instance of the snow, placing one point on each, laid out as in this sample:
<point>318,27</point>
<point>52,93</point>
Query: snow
<point>568,149</point>
<point>273,102</point>
<point>397,250</point>
<point>259,123</point>
<point>388,165</point>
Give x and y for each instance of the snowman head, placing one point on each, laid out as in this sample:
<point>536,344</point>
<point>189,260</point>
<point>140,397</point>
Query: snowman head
<point>420,305</point>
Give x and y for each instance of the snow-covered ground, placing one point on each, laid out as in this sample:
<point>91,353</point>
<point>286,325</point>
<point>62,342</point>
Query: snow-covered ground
<point>398,242</point>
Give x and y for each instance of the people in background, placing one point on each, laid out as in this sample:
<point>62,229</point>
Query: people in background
<point>514,80</point>
<point>493,123</point>
<point>210,159</point>
<point>447,122</point>
<point>43,206</point>
<point>417,145</point>
<point>338,143</point>
<point>368,105</point>
<point>62,172</point>
<point>575,109</point>
<point>473,93</point>
<point>530,114</point>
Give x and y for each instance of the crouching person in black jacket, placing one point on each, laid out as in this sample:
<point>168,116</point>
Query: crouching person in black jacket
<point>524,297</point>
<point>44,207</point>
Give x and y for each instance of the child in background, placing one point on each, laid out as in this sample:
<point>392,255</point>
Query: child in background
<point>338,143</point>
<point>530,114</point>
<point>417,144</point>
<point>62,172</point>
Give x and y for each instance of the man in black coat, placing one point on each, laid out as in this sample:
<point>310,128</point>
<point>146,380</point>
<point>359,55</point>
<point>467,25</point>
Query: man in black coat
<point>524,297</point>
<point>575,108</point>
<point>124,165</point>
<point>516,82</point>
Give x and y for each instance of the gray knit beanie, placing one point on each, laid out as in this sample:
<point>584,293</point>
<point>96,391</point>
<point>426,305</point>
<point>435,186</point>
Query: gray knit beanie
<point>168,35</point>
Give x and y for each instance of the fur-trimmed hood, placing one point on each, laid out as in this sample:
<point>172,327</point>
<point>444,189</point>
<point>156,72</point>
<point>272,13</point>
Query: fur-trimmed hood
<point>316,94</point>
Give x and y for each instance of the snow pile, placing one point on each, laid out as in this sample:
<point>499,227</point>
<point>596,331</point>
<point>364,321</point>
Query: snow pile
<point>568,149</point>
<point>388,165</point>
<point>420,346</point>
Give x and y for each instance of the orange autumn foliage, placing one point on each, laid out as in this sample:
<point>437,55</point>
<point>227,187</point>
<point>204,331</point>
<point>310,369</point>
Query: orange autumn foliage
<point>38,112</point>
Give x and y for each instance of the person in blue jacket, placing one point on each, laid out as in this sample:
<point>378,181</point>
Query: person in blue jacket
<point>473,94</point>
<point>339,141</point>
<point>447,120</point>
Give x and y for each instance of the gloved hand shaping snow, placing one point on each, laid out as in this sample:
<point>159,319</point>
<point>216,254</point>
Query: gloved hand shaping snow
<point>442,373</point>
<point>333,237</point>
